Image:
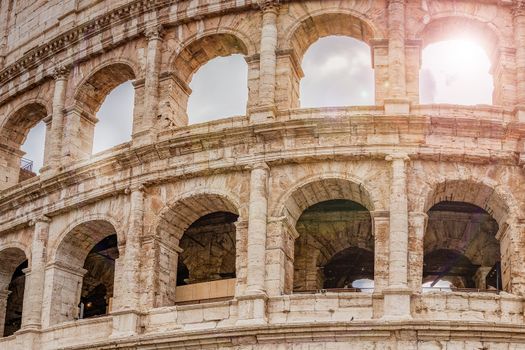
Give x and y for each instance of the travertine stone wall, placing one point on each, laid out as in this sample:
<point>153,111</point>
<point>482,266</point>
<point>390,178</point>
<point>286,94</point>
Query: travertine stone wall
<point>397,159</point>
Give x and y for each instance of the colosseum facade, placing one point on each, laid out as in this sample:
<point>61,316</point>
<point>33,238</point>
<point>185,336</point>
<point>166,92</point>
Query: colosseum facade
<point>249,232</point>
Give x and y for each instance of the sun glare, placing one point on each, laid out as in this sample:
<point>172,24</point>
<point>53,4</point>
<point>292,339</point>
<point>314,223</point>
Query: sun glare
<point>457,72</point>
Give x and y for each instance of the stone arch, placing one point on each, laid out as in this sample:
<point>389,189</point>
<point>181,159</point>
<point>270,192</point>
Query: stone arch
<point>68,235</point>
<point>93,89</point>
<point>178,218</point>
<point>11,295</point>
<point>13,134</point>
<point>200,48</point>
<point>442,25</point>
<point>484,194</point>
<point>322,188</point>
<point>315,25</point>
<point>331,213</point>
<point>68,267</point>
<point>181,212</point>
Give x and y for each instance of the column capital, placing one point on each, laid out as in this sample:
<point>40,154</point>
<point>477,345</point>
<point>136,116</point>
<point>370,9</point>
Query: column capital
<point>259,165</point>
<point>269,5</point>
<point>60,72</point>
<point>154,32</point>
<point>141,187</point>
<point>42,218</point>
<point>396,2</point>
<point>397,156</point>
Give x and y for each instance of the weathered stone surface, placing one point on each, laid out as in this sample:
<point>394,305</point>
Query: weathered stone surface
<point>239,209</point>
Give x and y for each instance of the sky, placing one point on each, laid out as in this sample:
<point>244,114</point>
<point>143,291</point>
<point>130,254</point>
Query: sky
<point>337,73</point>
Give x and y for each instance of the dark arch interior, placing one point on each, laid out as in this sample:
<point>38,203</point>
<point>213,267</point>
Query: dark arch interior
<point>15,301</point>
<point>208,247</point>
<point>460,247</point>
<point>335,246</point>
<point>97,286</point>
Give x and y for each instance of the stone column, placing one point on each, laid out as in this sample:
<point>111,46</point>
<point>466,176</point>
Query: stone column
<point>151,83</point>
<point>35,276</point>
<point>380,227</point>
<point>397,294</point>
<point>397,102</point>
<point>252,305</point>
<point>268,61</point>
<point>57,119</point>
<point>127,302</point>
<point>416,236</point>
<point>519,42</point>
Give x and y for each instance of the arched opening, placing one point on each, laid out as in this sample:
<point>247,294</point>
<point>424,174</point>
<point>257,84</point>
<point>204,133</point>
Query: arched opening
<point>84,264</point>
<point>335,248</point>
<point>107,94</point>
<point>337,72</point>
<point>220,85</point>
<point>96,297</point>
<point>12,284</point>
<point>460,248</point>
<point>334,244</point>
<point>337,69</point>
<point>115,118</point>
<point>208,254</point>
<point>456,62</point>
<point>23,138</point>
<point>219,89</point>
<point>203,266</point>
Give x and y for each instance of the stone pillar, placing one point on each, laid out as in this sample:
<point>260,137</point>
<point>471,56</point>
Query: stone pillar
<point>417,223</point>
<point>57,119</point>
<point>4,294</point>
<point>519,42</point>
<point>63,286</point>
<point>397,102</point>
<point>380,228</point>
<point>266,103</point>
<point>252,305</point>
<point>413,66</point>
<point>241,257</point>
<point>280,256</point>
<point>35,276</point>
<point>380,64</point>
<point>151,83</point>
<point>126,314</point>
<point>512,247</point>
<point>503,71</point>
<point>397,294</point>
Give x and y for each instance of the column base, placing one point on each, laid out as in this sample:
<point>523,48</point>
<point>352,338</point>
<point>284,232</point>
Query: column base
<point>252,308</point>
<point>396,304</point>
<point>397,106</point>
<point>262,114</point>
<point>126,323</point>
<point>28,338</point>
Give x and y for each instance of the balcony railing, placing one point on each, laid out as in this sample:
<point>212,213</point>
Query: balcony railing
<point>26,164</point>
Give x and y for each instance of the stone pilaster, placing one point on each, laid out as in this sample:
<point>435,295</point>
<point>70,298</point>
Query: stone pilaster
<point>511,247</point>
<point>380,227</point>
<point>397,101</point>
<point>151,83</point>
<point>268,60</point>
<point>35,276</point>
<point>57,119</point>
<point>4,294</point>
<point>397,294</point>
<point>126,314</point>
<point>252,305</point>
<point>417,223</point>
<point>519,42</point>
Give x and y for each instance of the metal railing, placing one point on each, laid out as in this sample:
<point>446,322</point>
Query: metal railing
<point>463,290</point>
<point>26,164</point>
<point>335,290</point>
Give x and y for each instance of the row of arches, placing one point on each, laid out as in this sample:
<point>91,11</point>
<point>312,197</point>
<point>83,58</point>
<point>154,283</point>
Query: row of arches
<point>336,62</point>
<point>203,239</point>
